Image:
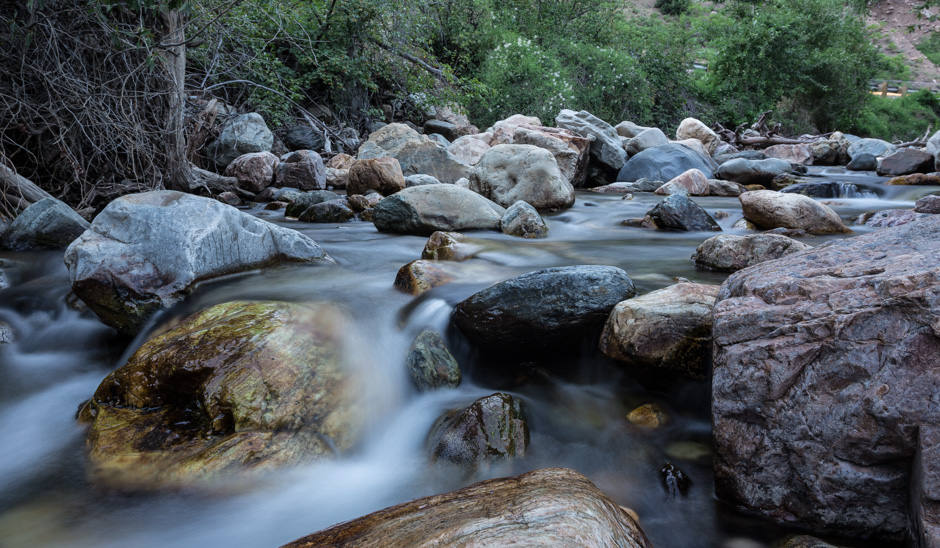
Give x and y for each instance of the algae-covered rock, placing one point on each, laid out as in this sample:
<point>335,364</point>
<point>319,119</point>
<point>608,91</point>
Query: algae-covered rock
<point>239,387</point>
<point>430,364</point>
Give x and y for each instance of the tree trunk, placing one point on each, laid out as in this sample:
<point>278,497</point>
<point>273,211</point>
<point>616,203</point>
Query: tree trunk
<point>179,169</point>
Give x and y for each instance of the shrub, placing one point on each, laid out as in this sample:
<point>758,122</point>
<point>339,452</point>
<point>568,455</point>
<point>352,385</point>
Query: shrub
<point>902,118</point>
<point>673,7</point>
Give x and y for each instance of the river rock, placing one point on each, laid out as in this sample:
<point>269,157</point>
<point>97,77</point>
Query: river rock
<point>337,178</point>
<point>730,252</point>
<point>490,429</point>
<point>47,224</point>
<point>643,185</point>
<point>925,492</point>
<point>298,203</point>
<point>341,161</point>
<point>301,169</point>
<point>794,154</point>
<point>243,135</point>
<point>668,329</point>
<point>430,364</point>
<point>823,189</point>
<point>830,152</point>
<point>145,252</point>
<point>650,138</point>
<point>889,218</point>
<point>904,162</point>
<point>863,162</point>
<point>421,276</point>
<point>239,388</point>
<point>332,211</point>
<point>690,128</point>
<point>746,154</point>
<point>509,173</point>
<point>445,129</point>
<point>571,151</point>
<point>420,179</point>
<point>664,163</point>
<point>875,147</point>
<point>717,187</point>
<point>691,182</point>
<point>770,209</point>
<point>468,149</point>
<point>422,210</point>
<point>553,507</point>
<point>606,147</point>
<point>254,172</point>
<point>928,204</point>
<point>749,172</point>
<point>679,212</point>
<point>806,541</point>
<point>629,129</point>
<point>648,415</point>
<point>382,175</point>
<point>415,153</point>
<point>824,366</point>
<point>926,179</point>
<point>545,309</point>
<point>448,246</point>
<point>304,138</point>
<point>524,221</point>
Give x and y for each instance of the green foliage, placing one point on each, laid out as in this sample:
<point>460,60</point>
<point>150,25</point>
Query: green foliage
<point>892,67</point>
<point>930,47</point>
<point>902,118</point>
<point>812,56</point>
<point>673,7</point>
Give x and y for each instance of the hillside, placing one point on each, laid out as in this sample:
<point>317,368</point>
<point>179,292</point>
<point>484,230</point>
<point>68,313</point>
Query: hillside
<point>899,31</point>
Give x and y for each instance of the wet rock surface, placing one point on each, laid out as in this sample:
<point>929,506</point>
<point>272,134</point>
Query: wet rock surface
<point>731,252</point>
<point>490,429</point>
<point>522,220</point>
<point>770,209</point>
<point>549,507</point>
<point>423,210</point>
<point>679,212</point>
<point>430,364</point>
<point>823,368</point>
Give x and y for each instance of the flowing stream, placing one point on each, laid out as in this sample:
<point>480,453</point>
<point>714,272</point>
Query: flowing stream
<point>576,405</point>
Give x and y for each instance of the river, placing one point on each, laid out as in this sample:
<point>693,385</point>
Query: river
<point>576,405</point>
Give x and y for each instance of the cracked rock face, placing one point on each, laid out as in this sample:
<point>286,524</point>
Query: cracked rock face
<point>145,252</point>
<point>825,366</point>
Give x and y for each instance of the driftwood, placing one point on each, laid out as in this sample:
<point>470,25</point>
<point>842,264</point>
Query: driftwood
<point>17,193</point>
<point>742,136</point>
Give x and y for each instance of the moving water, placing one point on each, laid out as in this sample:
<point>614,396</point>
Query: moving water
<point>58,354</point>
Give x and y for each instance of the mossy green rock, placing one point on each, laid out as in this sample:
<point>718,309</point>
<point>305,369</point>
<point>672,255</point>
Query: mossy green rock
<point>430,364</point>
<point>239,387</point>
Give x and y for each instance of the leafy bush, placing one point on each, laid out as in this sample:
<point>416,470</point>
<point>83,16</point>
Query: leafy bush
<point>902,118</point>
<point>930,47</point>
<point>813,53</point>
<point>673,7</point>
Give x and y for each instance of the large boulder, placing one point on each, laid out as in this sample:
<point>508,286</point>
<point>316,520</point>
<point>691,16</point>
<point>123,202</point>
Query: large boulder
<point>650,138</point>
<point>679,212</point>
<point>301,169</point>
<point>242,387</point>
<point>550,507</point>
<point>690,128</point>
<point>145,252</point>
<point>509,173</point>
<point>415,153</point>
<point>468,149</point>
<point>730,252</point>
<point>824,367</point>
<point>925,492</point>
<point>382,175</point>
<point>571,152</point>
<point>606,147</point>
<point>664,163</point>
<point>254,172</point>
<point>752,172</point>
<point>545,309</point>
<point>629,129</point>
<point>863,162</point>
<point>47,224</point>
<point>425,209</point>
<point>770,209</point>
<point>794,154</point>
<point>669,329</point>
<point>875,147</point>
<point>491,428</point>
<point>905,161</point>
<point>242,135</point>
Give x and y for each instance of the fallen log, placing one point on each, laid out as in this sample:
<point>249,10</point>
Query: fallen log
<point>17,193</point>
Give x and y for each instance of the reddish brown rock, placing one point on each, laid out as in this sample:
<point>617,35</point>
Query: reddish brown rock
<point>254,172</point>
<point>341,161</point>
<point>795,154</point>
<point>301,169</point>
<point>825,364</point>
<point>382,175</point>
<point>553,507</point>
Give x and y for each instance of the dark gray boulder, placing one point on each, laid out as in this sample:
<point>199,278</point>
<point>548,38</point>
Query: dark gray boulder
<point>664,163</point>
<point>298,203</point>
<point>863,162</point>
<point>47,224</point>
<point>825,365</point>
<point>145,252</point>
<point>752,172</point>
<point>824,189</point>
<point>679,212</point>
<point>545,309</point>
<point>491,428</point>
<point>304,138</point>
<point>906,161</point>
<point>423,210</point>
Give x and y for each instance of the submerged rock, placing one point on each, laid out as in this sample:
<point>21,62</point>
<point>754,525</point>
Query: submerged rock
<point>668,329</point>
<point>430,364</point>
<point>448,246</point>
<point>490,429</point>
<point>732,252</point>
<point>421,276</point>
<point>298,203</point>
<point>548,308</point>
<point>553,507</point>
<point>242,387</point>
<point>47,224</point>
<point>145,252</point>
<point>824,365</point>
